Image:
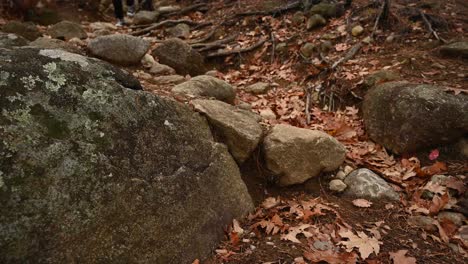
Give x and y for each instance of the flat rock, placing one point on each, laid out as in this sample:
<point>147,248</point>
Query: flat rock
<point>119,48</point>
<point>92,170</point>
<point>179,31</point>
<point>298,154</point>
<point>207,86</point>
<point>169,79</point>
<point>26,30</point>
<point>10,40</point>
<point>406,117</point>
<point>180,56</point>
<point>457,49</point>
<point>235,127</point>
<point>47,43</point>
<point>66,30</point>
<point>258,88</point>
<point>161,69</point>
<point>144,17</point>
<point>364,183</point>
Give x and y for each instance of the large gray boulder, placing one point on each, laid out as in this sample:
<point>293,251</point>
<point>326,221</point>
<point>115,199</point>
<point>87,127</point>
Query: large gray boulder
<point>26,30</point>
<point>66,30</point>
<point>9,40</point>
<point>93,172</point>
<point>298,154</point>
<point>207,86</point>
<point>406,117</point>
<point>364,183</point>
<point>180,56</point>
<point>119,48</point>
<point>145,17</point>
<point>238,129</point>
<point>456,49</point>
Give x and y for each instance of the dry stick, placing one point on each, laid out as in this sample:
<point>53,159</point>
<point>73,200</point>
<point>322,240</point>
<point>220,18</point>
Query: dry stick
<point>205,38</point>
<point>429,27</point>
<point>307,106</point>
<point>274,11</point>
<point>377,21</point>
<point>163,23</point>
<point>348,55</point>
<point>235,51</point>
<point>273,46</point>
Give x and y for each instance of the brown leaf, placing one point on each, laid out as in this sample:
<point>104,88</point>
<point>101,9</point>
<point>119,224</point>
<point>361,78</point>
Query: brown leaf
<point>400,258</point>
<point>270,202</point>
<point>331,257</point>
<point>456,184</point>
<point>366,245</point>
<point>362,203</point>
<point>294,231</point>
<point>435,168</point>
<point>197,261</point>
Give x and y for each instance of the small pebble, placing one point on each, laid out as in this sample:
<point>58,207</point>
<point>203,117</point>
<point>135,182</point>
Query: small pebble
<point>357,30</point>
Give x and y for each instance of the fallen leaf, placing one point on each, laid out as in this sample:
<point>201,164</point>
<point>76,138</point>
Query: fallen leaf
<point>236,227</point>
<point>331,257</point>
<point>197,261</point>
<point>366,245</point>
<point>294,231</point>
<point>362,203</point>
<point>400,258</point>
<point>270,202</point>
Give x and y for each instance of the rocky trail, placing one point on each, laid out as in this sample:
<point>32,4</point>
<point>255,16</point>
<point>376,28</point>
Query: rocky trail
<point>235,132</point>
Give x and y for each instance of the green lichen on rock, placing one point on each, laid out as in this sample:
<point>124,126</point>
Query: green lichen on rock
<point>95,172</point>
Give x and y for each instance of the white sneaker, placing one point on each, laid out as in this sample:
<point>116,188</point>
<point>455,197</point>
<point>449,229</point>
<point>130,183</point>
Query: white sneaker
<point>131,11</point>
<point>120,23</point>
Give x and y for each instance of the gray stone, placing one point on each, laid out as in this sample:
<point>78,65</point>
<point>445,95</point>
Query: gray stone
<point>379,77</point>
<point>457,49</point>
<point>307,50</point>
<point>145,17</point>
<point>364,183</point>
<point>179,31</point>
<point>258,88</point>
<point>337,185</point>
<point>161,69</point>
<point>315,21</point>
<point>324,9</point>
<point>406,117</point>
<point>357,30</point>
<point>298,154</point>
<point>180,56</point>
<point>326,46</point>
<point>95,172</point>
<point>341,175</point>
<point>102,32</point>
<point>119,48</point>
<point>237,128</point>
<point>456,218</point>
<point>207,86</point>
<point>298,18</point>
<point>422,221</point>
<point>47,43</point>
<point>10,40</point>
<point>26,30</point>
<point>102,25</point>
<point>66,30</point>
<point>169,79</point>
<point>282,47</point>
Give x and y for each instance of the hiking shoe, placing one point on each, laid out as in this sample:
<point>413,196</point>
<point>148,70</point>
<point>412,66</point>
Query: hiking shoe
<point>120,23</point>
<point>131,11</point>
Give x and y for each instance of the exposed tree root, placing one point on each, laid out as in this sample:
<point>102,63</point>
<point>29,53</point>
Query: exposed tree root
<point>215,44</point>
<point>223,53</point>
<point>164,23</point>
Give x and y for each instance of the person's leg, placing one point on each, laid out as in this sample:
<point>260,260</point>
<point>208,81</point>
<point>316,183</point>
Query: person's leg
<point>131,8</point>
<point>118,9</point>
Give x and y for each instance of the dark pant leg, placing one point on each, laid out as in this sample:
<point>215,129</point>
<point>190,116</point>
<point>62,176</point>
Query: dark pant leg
<point>118,9</point>
<point>148,5</point>
<point>130,3</point>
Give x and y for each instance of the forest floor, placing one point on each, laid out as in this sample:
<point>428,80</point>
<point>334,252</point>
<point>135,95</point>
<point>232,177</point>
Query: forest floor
<point>309,223</point>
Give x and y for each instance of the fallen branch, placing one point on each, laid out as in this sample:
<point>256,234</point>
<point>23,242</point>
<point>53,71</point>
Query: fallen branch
<point>223,53</point>
<point>164,23</point>
<point>204,39</point>
<point>186,9</point>
<point>273,47</point>
<point>214,44</point>
<point>351,53</point>
<point>429,27</point>
<point>271,12</point>
<point>377,21</point>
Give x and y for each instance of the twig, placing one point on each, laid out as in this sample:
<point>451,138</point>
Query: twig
<point>307,105</point>
<point>270,12</point>
<point>351,53</point>
<point>273,46</point>
<point>377,21</point>
<point>163,23</point>
<point>235,51</point>
<point>429,27</point>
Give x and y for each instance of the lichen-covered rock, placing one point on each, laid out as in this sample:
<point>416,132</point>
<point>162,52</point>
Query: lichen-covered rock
<point>324,9</point>
<point>258,88</point>
<point>298,154</point>
<point>457,49</point>
<point>9,40</point>
<point>26,30</point>
<point>145,17</point>
<point>379,77</point>
<point>66,30</point>
<point>119,48</point>
<point>93,172</point>
<point>47,43</point>
<point>364,183</point>
<point>179,31</point>
<point>180,56</point>
<point>207,86</point>
<point>315,21</point>
<point>238,129</point>
<point>406,117</point>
